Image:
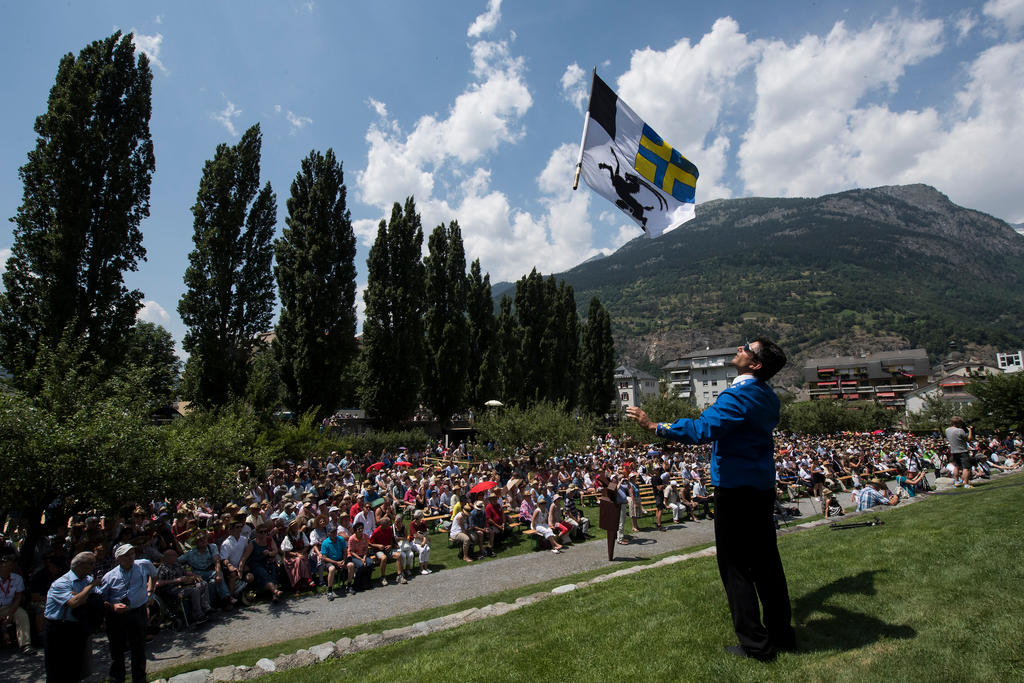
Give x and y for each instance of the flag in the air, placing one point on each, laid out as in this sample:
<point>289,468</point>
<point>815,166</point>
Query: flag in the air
<point>629,164</point>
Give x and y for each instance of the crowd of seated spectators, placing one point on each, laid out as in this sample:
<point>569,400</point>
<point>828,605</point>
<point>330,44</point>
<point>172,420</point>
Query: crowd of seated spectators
<point>347,523</point>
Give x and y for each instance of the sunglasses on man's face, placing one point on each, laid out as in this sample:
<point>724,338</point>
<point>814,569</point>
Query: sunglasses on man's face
<point>752,352</point>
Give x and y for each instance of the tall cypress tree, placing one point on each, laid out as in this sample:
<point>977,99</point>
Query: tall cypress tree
<point>597,361</point>
<point>508,350</point>
<point>229,296</point>
<point>447,331</point>
<point>316,274</point>
<point>566,326</point>
<point>533,315</point>
<point>482,382</point>
<point>86,191</point>
<point>393,330</point>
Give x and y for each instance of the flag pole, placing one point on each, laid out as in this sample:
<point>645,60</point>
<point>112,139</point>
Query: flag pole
<point>583,140</point>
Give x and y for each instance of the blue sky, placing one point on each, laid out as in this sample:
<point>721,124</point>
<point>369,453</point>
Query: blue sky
<point>475,108</point>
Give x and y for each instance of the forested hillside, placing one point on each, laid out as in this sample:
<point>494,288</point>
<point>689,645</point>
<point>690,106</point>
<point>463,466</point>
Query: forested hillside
<point>852,272</point>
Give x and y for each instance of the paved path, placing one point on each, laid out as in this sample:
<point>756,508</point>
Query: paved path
<point>306,616</point>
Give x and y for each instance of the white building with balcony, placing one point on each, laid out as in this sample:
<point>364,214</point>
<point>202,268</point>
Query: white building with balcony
<point>1010,362</point>
<point>886,377</point>
<point>701,375</point>
<point>632,386</point>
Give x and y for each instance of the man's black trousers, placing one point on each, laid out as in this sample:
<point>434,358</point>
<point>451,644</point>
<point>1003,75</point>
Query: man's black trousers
<point>126,632</point>
<point>751,569</point>
<point>66,643</point>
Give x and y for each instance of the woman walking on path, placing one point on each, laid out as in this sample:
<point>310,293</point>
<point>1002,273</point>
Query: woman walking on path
<point>608,519</point>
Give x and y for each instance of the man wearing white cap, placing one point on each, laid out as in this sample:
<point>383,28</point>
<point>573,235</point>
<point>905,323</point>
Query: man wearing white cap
<point>126,589</point>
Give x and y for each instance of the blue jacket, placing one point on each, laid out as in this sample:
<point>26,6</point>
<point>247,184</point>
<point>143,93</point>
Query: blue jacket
<point>740,423</point>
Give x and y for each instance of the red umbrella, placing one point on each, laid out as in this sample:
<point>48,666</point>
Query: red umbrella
<point>483,486</point>
<point>375,466</point>
<point>402,463</point>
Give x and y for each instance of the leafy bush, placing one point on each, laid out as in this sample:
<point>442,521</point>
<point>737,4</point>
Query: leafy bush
<point>545,425</point>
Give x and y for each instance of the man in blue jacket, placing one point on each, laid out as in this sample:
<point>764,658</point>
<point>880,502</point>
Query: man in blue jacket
<point>740,423</point>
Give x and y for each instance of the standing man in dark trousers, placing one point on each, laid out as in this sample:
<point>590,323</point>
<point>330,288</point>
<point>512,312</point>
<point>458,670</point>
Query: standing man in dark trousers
<point>67,637</point>
<point>740,423</point>
<point>126,590</point>
<point>960,451</point>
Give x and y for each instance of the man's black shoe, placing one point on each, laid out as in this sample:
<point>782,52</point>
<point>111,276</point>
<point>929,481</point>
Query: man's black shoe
<point>738,651</point>
<point>786,647</point>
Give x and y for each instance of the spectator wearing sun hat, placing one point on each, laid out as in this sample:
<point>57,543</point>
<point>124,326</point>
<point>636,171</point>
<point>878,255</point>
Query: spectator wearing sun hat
<point>126,589</point>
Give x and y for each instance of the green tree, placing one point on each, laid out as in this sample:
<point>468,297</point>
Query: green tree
<point>548,340</point>
<point>316,279</point>
<point>150,350</point>
<point>545,424</point>
<point>1000,400</point>
<point>934,415</point>
<point>393,330</point>
<point>86,191</point>
<point>597,361</point>
<point>563,336</point>
<point>507,347</point>
<point>815,417</point>
<point>79,443</point>
<point>447,330</point>
<point>264,392</point>
<point>482,382</point>
<point>533,313</point>
<point>660,409</point>
<point>216,444</point>
<point>229,295</point>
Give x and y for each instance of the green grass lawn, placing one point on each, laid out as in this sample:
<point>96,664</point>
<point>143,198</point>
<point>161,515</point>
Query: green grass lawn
<point>935,593</point>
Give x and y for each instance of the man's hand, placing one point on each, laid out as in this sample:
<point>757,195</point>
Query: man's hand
<point>636,413</point>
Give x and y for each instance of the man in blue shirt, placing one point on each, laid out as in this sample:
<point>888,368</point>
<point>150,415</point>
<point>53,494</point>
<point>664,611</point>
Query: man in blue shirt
<point>126,589</point>
<point>333,552</point>
<point>66,637</point>
<point>740,423</point>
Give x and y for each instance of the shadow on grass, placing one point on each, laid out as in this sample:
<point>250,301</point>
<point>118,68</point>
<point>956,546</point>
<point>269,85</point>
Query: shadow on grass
<point>824,627</point>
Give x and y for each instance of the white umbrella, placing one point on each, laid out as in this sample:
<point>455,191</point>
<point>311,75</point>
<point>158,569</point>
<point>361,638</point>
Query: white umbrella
<point>494,404</point>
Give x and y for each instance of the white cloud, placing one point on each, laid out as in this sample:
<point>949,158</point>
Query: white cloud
<point>4,255</point>
<point>360,307</point>
<point>987,127</point>
<point>509,241</point>
<point>1009,12</point>
<point>485,115</point>
<point>152,312</point>
<point>159,19</point>
<point>379,107</point>
<point>486,22</point>
<point>574,86</point>
<point>308,6</point>
<point>810,131</point>
<point>964,22</point>
<point>366,230</point>
<point>297,122</point>
<point>151,46</point>
<point>704,77</point>
<point>228,116</point>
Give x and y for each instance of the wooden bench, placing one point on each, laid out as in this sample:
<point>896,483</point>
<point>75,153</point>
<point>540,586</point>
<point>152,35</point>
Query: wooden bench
<point>538,539</point>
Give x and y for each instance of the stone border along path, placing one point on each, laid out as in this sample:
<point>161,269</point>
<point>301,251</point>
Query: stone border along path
<point>310,615</point>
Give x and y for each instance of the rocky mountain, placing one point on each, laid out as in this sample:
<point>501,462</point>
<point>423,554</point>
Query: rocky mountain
<point>846,273</point>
